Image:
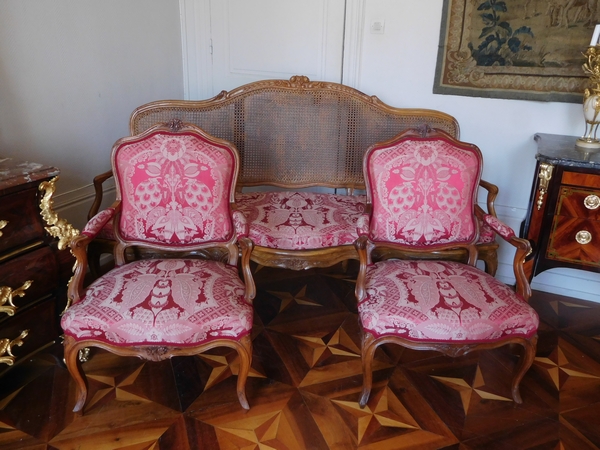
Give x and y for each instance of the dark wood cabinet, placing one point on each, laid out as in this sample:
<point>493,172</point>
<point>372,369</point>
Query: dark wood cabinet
<point>563,217</point>
<point>31,268</point>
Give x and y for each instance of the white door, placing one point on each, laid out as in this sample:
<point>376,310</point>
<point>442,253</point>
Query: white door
<point>228,43</point>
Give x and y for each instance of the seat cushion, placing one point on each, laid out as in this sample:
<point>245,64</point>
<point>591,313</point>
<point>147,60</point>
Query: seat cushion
<point>301,220</point>
<point>151,302</point>
<point>442,301</point>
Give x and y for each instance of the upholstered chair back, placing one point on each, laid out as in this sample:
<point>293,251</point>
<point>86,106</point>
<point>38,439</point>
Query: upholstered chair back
<point>423,190</point>
<point>175,189</point>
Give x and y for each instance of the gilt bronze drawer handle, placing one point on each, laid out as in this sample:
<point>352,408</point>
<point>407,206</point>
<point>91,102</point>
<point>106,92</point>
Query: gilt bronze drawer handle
<point>7,295</point>
<point>592,201</point>
<point>583,237</point>
<point>3,223</point>
<point>6,345</point>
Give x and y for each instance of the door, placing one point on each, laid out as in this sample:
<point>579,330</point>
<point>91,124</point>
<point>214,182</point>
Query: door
<point>228,43</point>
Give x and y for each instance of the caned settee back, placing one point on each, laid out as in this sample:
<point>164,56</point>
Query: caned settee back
<point>295,133</point>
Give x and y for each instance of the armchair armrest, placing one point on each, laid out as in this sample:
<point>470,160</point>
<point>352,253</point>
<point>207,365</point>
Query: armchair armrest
<point>523,249</point>
<point>99,192</point>
<point>97,222</point>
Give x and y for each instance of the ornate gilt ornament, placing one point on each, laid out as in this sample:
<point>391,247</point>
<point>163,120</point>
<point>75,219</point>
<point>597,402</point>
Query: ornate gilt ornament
<point>58,228</point>
<point>3,223</point>
<point>7,295</point>
<point>545,175</point>
<point>6,345</point>
<point>84,355</point>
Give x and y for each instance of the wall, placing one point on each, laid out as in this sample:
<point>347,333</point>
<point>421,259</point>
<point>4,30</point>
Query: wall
<point>71,73</point>
<point>399,66</point>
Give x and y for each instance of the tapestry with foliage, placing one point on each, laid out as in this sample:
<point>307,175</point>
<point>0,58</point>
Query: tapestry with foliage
<point>519,49</point>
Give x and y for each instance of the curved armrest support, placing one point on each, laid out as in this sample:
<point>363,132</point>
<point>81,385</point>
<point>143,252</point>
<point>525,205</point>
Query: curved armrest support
<point>364,247</point>
<point>96,223</point>
<point>99,192</point>
<point>246,245</point>
<point>492,193</point>
<point>78,246</point>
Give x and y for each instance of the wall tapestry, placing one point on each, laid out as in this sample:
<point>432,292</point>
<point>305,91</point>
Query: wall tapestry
<point>518,49</point>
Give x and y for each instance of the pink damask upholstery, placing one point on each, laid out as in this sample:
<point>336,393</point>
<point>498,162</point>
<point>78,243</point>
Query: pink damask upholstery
<point>422,186</point>
<point>173,190</point>
<point>423,192</point>
<point>442,301</point>
<point>173,301</point>
<point>100,223</point>
<point>301,220</point>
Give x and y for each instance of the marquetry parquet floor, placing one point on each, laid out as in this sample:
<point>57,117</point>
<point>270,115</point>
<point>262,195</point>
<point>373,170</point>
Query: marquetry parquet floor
<point>305,382</point>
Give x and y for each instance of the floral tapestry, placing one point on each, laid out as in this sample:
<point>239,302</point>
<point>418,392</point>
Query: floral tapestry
<point>518,49</point>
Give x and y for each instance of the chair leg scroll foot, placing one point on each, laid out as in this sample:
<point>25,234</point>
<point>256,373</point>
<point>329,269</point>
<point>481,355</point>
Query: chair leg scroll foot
<point>245,354</point>
<point>529,348</point>
<point>71,355</point>
<point>368,352</point>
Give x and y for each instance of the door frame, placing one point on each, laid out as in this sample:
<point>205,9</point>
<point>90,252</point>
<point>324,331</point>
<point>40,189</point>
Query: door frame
<point>197,55</point>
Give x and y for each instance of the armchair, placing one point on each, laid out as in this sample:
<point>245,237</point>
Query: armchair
<point>421,193</point>
<point>175,190</point>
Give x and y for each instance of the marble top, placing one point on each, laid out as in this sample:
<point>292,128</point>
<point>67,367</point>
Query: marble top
<point>14,172</point>
<point>558,149</point>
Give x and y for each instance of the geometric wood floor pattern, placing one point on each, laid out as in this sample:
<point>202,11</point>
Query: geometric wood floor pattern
<point>305,382</point>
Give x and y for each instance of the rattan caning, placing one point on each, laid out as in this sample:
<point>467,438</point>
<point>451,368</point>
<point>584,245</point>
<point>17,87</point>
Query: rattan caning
<point>296,133</point>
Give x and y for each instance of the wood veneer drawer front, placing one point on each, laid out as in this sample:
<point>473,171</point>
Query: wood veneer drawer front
<point>38,266</point>
<point>22,213</point>
<point>581,179</point>
<point>42,322</point>
<point>575,240</point>
<point>575,202</point>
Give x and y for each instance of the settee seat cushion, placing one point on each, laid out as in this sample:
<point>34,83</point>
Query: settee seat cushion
<point>162,302</point>
<point>301,220</point>
<point>442,301</point>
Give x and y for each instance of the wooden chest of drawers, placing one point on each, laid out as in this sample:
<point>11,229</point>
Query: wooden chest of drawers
<point>31,273</point>
<point>563,219</point>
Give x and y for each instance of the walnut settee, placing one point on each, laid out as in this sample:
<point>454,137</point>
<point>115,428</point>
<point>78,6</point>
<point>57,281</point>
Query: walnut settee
<point>301,145</point>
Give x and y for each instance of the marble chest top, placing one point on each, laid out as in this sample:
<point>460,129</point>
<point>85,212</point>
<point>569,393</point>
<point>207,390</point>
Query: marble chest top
<point>14,173</point>
<point>561,150</point>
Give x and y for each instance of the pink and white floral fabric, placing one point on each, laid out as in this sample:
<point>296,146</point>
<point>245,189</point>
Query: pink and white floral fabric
<point>486,234</point>
<point>494,224</point>
<point>175,189</point>
<point>442,301</point>
<point>301,220</point>
<point>98,223</point>
<point>423,192</point>
<point>162,301</point>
